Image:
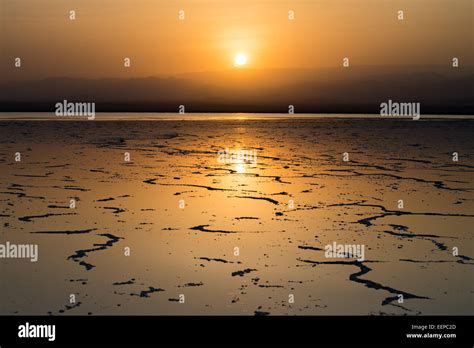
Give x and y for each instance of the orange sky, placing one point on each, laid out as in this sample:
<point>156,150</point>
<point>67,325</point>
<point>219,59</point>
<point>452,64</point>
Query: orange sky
<point>150,33</point>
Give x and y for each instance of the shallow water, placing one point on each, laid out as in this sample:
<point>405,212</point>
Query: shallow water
<point>181,210</point>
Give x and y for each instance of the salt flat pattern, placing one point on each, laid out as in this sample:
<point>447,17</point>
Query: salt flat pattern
<point>182,212</point>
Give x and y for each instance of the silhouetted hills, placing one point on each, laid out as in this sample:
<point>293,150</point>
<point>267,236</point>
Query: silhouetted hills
<point>440,90</point>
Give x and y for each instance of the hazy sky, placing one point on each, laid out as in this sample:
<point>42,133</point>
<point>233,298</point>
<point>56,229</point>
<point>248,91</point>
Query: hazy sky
<point>213,32</point>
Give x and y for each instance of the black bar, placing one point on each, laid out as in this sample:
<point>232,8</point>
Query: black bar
<point>133,330</point>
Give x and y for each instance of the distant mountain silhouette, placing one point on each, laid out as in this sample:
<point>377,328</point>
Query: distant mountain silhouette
<point>332,90</point>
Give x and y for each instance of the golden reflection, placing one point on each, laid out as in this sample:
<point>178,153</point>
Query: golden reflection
<point>240,168</point>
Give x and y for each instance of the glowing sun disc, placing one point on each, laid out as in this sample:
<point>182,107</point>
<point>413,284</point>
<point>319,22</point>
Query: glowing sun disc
<point>240,59</point>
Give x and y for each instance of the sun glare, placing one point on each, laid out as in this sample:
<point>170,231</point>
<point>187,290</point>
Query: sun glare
<point>240,168</point>
<point>240,60</point>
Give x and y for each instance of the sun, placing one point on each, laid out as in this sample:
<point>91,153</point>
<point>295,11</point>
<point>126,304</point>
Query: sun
<point>240,60</point>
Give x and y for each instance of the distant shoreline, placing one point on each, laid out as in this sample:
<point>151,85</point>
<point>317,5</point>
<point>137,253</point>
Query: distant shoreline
<point>213,116</point>
<point>192,108</point>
